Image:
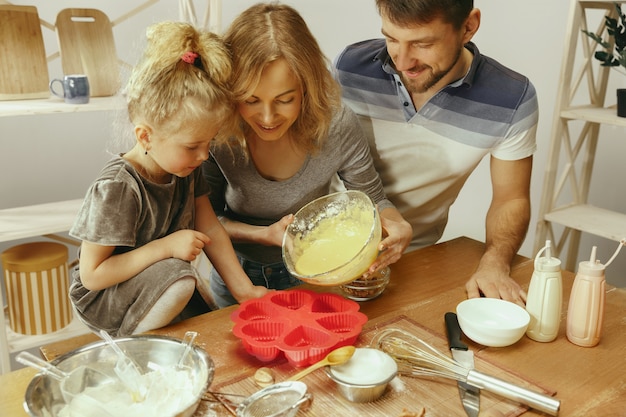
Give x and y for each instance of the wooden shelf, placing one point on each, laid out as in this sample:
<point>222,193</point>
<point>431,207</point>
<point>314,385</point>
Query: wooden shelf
<point>12,108</point>
<point>37,220</point>
<point>586,218</point>
<point>601,3</point>
<point>593,114</point>
<point>18,342</point>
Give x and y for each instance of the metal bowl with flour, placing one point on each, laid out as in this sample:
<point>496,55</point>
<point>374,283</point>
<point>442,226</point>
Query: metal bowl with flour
<point>174,386</point>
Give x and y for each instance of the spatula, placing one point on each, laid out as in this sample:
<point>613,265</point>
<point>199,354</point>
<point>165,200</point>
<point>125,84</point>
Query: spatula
<point>71,383</point>
<point>127,370</point>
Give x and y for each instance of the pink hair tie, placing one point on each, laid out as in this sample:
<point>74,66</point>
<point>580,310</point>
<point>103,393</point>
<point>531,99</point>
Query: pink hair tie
<point>189,57</point>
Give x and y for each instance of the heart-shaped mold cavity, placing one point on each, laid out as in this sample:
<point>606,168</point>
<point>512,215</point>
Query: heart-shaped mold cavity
<point>308,356</point>
<point>306,337</point>
<point>257,310</point>
<point>306,345</point>
<point>260,338</point>
<point>262,353</point>
<point>343,324</point>
<point>332,303</point>
<point>293,300</point>
<point>261,332</point>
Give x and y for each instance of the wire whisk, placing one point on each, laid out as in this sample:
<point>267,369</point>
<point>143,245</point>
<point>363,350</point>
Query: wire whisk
<point>417,358</point>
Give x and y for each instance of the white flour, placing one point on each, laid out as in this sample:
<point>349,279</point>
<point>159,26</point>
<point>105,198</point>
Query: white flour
<point>169,391</point>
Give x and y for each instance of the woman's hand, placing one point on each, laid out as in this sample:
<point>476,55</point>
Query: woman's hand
<point>397,234</point>
<point>275,231</point>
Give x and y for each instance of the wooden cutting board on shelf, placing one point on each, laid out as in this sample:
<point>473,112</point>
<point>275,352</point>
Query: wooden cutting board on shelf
<point>23,65</point>
<point>87,47</point>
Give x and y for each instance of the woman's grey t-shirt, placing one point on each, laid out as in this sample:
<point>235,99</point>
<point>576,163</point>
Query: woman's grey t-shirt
<point>240,193</point>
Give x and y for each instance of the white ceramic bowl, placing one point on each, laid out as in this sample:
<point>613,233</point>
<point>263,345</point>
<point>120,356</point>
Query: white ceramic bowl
<point>492,322</point>
<point>365,376</point>
<point>333,239</point>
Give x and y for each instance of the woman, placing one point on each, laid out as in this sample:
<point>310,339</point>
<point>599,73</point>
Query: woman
<point>296,138</point>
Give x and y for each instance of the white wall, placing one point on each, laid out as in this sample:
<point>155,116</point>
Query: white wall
<point>55,157</point>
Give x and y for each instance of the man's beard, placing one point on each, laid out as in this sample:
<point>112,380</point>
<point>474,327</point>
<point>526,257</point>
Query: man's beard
<point>417,87</point>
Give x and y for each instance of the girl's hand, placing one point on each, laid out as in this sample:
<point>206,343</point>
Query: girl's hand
<point>256,291</point>
<point>186,244</point>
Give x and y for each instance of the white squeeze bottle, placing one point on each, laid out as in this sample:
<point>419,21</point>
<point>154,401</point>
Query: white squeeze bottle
<point>545,296</point>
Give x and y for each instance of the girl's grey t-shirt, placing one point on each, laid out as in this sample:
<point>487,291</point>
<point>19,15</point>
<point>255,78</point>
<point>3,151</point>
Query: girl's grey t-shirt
<point>240,193</point>
<point>123,209</point>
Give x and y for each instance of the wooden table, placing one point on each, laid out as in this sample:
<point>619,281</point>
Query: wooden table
<point>424,285</point>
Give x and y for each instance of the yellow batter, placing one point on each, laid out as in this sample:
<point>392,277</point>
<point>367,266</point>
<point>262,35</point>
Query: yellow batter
<point>335,241</point>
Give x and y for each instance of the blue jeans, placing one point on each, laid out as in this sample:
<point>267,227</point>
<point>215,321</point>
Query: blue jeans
<point>274,276</point>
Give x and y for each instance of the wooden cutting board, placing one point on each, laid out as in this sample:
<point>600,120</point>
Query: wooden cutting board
<point>437,397</point>
<point>23,65</point>
<point>87,47</point>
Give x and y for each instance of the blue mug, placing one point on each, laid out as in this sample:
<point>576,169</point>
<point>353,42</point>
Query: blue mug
<point>75,88</point>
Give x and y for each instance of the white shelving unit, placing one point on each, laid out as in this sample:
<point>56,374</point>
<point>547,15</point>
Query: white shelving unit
<point>50,219</point>
<point>24,222</point>
<point>56,106</point>
<point>575,133</point>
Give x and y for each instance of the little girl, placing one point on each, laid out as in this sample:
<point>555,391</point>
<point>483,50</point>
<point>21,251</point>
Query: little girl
<point>147,215</point>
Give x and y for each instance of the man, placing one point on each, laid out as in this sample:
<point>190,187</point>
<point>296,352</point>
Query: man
<point>433,107</point>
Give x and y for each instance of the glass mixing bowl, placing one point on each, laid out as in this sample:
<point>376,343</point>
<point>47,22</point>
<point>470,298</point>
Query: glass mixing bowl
<point>333,239</point>
<point>364,289</point>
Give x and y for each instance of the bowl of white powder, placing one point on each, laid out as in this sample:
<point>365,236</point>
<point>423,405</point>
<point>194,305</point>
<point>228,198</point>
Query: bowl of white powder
<point>172,387</point>
<point>333,239</point>
<point>365,376</point>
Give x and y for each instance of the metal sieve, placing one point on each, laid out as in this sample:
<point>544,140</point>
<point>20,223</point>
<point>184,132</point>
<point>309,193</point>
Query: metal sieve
<point>279,400</point>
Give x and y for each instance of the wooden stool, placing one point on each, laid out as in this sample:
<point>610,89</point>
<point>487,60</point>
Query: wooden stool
<point>37,285</point>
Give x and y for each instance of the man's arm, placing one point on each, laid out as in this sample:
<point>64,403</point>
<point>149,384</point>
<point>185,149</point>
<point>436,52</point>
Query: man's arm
<point>506,226</point>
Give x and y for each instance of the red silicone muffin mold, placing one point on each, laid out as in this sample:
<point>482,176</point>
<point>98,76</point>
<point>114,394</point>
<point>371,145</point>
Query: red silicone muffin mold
<point>302,325</point>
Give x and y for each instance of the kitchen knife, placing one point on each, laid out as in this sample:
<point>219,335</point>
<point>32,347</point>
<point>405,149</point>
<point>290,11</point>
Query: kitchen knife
<point>470,395</point>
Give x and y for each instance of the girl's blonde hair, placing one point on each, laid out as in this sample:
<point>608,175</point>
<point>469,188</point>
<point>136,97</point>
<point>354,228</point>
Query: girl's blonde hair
<point>266,32</point>
<point>183,76</point>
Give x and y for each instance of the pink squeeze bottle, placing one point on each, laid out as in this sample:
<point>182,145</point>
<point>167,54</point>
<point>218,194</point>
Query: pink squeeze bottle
<point>585,312</point>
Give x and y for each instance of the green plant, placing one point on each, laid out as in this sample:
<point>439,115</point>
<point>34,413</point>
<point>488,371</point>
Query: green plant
<point>614,53</point>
